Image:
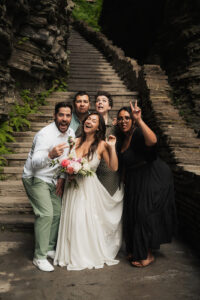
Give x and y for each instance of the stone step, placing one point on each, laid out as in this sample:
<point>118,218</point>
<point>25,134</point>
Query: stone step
<point>186,160</point>
<point>11,173</point>
<point>70,93</point>
<point>16,145</point>
<point>17,222</point>
<point>97,63</point>
<point>76,60</point>
<point>24,138</point>
<point>15,205</point>
<point>17,159</point>
<point>36,126</point>
<point>45,117</point>
<point>20,149</point>
<point>95,89</point>
<point>92,80</point>
<point>23,133</point>
<point>190,168</point>
<point>95,73</point>
<point>98,77</point>
<point>12,188</point>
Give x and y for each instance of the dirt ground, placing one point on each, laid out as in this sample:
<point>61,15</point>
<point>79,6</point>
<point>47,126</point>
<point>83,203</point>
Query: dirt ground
<point>174,275</point>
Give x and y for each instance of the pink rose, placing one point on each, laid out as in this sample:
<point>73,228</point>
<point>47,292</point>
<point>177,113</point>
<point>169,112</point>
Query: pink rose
<point>70,170</point>
<point>65,163</point>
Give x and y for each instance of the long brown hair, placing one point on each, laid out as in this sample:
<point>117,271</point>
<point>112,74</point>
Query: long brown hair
<point>99,135</point>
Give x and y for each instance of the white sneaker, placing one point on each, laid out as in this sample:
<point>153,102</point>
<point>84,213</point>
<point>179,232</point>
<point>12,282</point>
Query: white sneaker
<point>43,265</point>
<point>51,254</point>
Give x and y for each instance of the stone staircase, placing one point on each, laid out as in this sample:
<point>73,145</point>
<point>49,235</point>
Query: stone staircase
<point>89,71</point>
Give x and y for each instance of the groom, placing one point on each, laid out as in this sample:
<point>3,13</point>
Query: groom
<point>43,190</point>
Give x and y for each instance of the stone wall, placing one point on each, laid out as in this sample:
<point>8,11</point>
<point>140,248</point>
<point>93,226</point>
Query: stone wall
<point>165,32</point>
<point>33,39</point>
<point>179,146</point>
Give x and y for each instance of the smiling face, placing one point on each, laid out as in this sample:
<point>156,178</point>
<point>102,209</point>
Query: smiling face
<point>82,104</point>
<point>91,124</point>
<point>102,105</point>
<point>63,118</point>
<point>124,121</point>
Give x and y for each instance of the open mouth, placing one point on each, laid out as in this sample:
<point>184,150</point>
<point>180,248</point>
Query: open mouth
<point>63,125</point>
<point>88,126</point>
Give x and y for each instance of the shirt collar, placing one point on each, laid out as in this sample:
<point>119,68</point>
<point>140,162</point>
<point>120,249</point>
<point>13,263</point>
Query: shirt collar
<point>59,133</point>
<point>109,123</point>
<point>76,117</point>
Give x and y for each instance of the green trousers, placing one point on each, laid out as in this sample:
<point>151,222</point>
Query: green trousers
<point>47,208</point>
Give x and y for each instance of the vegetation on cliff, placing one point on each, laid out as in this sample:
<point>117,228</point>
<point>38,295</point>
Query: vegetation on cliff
<point>89,12</point>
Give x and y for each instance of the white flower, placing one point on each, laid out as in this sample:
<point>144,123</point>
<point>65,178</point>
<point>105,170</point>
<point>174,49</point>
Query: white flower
<point>76,166</point>
<point>86,167</point>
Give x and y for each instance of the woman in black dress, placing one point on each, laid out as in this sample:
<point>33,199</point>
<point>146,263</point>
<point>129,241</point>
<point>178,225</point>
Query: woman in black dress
<point>149,214</point>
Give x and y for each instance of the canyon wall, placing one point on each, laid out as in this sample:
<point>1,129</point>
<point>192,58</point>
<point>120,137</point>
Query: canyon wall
<point>33,39</point>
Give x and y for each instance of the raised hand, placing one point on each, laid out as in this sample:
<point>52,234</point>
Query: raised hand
<point>114,121</point>
<point>111,140</point>
<point>136,111</point>
<point>57,150</point>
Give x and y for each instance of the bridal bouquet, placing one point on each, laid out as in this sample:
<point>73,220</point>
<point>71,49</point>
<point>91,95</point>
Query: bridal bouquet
<point>72,166</point>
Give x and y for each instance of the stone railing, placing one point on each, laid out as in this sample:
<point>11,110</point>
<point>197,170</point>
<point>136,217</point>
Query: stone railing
<point>179,146</point>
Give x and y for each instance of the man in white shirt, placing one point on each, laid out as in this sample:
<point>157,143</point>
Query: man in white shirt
<point>43,189</point>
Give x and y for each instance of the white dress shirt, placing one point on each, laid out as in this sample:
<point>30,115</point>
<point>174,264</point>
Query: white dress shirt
<point>37,163</point>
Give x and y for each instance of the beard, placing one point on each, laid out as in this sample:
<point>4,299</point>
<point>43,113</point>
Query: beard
<point>62,126</point>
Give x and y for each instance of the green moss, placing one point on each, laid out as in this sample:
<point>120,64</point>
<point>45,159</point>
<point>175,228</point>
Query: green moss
<point>23,40</point>
<point>88,12</point>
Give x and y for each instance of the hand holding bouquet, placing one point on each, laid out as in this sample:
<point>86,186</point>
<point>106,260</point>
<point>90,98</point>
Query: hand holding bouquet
<point>74,167</point>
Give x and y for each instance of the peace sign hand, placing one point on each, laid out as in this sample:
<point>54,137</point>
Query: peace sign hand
<point>136,111</point>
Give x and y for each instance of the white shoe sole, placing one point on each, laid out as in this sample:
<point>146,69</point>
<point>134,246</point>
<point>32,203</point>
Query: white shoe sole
<point>35,264</point>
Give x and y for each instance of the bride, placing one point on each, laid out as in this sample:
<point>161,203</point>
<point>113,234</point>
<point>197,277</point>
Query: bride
<point>90,225</point>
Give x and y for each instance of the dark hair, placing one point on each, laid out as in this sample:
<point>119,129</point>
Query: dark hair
<point>81,93</point>
<point>126,108</point>
<point>99,135</point>
<point>119,133</point>
<point>106,94</point>
<point>62,104</point>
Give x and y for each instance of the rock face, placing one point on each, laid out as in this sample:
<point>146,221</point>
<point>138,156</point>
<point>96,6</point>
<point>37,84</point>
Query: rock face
<point>33,39</point>
<point>180,52</point>
<point>162,32</point>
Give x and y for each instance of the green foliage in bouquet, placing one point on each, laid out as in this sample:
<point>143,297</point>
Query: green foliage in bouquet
<point>88,12</point>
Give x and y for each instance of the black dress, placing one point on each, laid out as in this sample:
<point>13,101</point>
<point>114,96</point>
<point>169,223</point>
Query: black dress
<point>149,216</point>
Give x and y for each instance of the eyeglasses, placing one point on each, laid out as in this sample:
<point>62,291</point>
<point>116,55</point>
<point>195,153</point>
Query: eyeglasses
<point>126,118</point>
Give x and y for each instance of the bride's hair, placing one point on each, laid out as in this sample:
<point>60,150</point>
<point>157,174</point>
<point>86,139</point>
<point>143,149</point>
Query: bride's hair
<point>99,135</point>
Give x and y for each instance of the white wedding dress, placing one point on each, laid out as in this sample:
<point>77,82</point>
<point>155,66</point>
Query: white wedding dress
<point>90,225</point>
